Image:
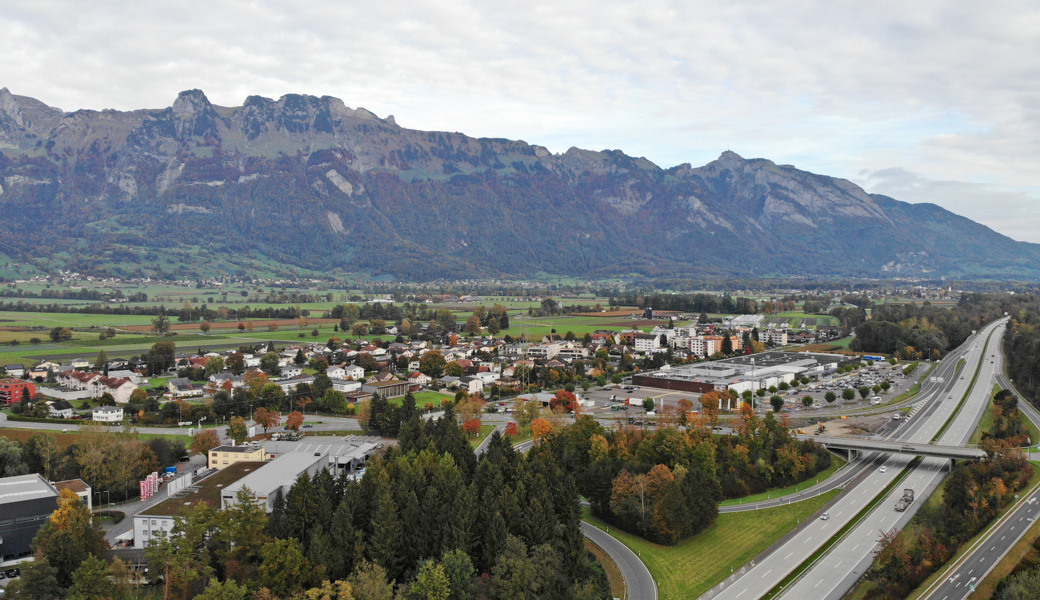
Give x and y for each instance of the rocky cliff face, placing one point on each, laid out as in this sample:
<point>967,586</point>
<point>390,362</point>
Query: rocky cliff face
<point>306,182</point>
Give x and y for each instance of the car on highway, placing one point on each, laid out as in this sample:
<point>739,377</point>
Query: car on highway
<point>825,516</point>
<point>884,469</point>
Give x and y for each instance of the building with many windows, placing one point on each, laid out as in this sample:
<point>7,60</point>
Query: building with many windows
<point>11,390</point>
<point>225,456</point>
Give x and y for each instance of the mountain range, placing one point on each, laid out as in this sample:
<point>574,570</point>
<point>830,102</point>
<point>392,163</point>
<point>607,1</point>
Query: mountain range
<point>304,184</point>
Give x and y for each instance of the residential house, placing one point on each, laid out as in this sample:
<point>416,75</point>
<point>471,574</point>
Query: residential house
<point>182,387</point>
<point>119,388</point>
<point>59,409</point>
<point>15,370</point>
<point>419,378</point>
<point>473,385</point>
<point>133,376</point>
<point>108,414</point>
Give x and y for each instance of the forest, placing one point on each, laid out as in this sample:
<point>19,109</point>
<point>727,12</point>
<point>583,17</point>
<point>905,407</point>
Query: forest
<point>665,485</point>
<point>426,521</point>
<point>926,331</point>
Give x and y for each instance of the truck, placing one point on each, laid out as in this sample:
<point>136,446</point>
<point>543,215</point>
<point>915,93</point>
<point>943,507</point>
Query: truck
<point>634,401</point>
<point>906,500</point>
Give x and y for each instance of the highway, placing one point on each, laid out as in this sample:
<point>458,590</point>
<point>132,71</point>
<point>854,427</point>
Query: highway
<point>757,578</point>
<point>846,562</point>
<point>959,578</point>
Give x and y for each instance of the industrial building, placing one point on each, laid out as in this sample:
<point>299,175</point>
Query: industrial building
<point>278,474</point>
<point>163,516</point>
<point>345,456</point>
<point>750,372</point>
<point>26,501</point>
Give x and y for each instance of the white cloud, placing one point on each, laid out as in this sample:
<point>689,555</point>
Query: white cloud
<point>949,91</point>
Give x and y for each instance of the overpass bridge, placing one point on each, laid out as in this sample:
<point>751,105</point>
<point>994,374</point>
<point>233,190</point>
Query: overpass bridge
<point>895,447</point>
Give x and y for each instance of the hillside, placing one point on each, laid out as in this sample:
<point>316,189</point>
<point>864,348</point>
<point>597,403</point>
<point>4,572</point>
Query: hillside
<point>306,184</point>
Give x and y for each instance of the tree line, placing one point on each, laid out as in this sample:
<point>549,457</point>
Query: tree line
<point>107,462</point>
<point>666,485</point>
<point>926,331</point>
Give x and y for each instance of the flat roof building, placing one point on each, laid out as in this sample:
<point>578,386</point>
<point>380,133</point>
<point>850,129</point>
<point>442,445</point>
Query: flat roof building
<point>749,372</point>
<point>278,474</point>
<point>224,456</point>
<point>25,503</point>
<point>344,455</point>
<point>163,516</point>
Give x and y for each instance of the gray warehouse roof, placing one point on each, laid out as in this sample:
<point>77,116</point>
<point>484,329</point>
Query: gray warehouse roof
<point>279,472</point>
<point>25,487</point>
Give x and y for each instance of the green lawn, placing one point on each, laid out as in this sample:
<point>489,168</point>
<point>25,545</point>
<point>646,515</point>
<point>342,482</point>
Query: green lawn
<point>842,343</point>
<point>836,463</point>
<point>692,567</point>
<point>485,430</point>
<point>433,398</point>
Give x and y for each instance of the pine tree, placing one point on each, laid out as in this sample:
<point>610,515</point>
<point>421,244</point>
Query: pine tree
<point>384,543</point>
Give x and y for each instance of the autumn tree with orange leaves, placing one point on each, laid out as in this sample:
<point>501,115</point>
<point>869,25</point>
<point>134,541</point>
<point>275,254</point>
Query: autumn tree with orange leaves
<point>68,537</point>
<point>267,418</point>
<point>294,420</point>
<point>540,428</point>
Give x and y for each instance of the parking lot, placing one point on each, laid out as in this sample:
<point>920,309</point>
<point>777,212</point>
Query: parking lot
<point>611,400</point>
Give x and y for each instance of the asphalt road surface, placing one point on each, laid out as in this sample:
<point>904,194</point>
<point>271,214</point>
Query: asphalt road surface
<point>638,580</point>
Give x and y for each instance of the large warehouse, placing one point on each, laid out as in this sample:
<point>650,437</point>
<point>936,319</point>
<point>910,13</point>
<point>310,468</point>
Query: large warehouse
<point>751,372</point>
<point>25,503</point>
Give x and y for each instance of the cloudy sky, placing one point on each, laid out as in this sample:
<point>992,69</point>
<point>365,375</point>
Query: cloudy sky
<point>925,101</point>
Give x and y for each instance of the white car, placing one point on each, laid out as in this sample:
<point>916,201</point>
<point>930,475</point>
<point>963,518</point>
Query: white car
<point>825,516</point>
<point>884,469</point>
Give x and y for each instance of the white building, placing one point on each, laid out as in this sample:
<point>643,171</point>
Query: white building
<point>279,474</point>
<point>108,414</point>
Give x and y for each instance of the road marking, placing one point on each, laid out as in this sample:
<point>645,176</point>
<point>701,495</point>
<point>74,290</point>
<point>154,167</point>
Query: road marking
<point>789,555</point>
<point>741,592</point>
<point>818,584</point>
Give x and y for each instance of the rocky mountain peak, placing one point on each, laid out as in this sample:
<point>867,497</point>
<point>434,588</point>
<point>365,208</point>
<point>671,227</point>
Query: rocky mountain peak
<point>190,104</point>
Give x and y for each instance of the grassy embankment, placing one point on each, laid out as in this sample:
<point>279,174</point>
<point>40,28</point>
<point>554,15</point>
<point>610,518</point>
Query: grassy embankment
<point>836,463</point>
<point>695,565</point>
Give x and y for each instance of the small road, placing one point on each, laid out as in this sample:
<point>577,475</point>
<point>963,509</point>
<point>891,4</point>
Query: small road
<point>638,581</point>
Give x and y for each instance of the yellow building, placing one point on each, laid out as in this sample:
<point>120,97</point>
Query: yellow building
<point>223,456</point>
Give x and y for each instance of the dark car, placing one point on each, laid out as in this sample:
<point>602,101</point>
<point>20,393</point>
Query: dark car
<point>12,573</point>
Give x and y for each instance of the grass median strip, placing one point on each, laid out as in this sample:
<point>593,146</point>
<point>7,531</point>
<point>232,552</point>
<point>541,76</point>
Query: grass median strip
<point>841,533</point>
